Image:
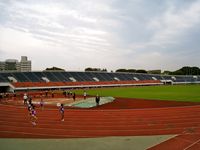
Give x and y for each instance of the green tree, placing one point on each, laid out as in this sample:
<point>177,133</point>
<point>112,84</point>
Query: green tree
<point>96,69</point>
<point>141,71</point>
<point>54,69</point>
<point>121,70</point>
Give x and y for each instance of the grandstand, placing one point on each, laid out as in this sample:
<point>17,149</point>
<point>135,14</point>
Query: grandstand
<point>16,81</point>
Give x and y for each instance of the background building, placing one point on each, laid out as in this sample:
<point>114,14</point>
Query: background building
<point>25,64</point>
<point>14,65</point>
<point>2,65</point>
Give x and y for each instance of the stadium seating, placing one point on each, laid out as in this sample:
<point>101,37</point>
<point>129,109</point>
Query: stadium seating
<point>64,79</point>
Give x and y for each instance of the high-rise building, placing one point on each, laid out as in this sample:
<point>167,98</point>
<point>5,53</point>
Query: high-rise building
<point>2,65</point>
<point>25,64</point>
<point>14,65</point>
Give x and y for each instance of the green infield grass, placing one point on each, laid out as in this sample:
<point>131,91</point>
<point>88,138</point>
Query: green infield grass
<point>170,92</point>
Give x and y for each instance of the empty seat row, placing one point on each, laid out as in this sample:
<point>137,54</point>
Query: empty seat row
<point>52,76</point>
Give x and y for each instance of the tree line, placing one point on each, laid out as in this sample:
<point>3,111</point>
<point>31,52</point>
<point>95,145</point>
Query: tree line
<point>185,71</point>
<point>182,71</point>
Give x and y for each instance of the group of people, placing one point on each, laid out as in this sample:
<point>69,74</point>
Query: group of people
<point>69,94</point>
<point>32,111</point>
<point>31,108</point>
<point>2,96</point>
<point>97,98</point>
<point>51,93</point>
<point>5,95</point>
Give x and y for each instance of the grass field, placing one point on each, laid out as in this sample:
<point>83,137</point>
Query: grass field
<point>173,92</point>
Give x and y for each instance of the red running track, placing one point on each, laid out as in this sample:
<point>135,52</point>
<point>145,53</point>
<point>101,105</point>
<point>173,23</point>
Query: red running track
<point>123,117</point>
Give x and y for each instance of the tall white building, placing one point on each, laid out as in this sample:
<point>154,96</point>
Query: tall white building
<point>25,64</point>
<point>14,65</point>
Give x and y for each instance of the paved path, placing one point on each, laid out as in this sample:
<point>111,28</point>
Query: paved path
<point>107,143</point>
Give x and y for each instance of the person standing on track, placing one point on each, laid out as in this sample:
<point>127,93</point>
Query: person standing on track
<point>64,93</point>
<point>97,99</point>
<point>46,93</point>
<point>74,96</point>
<point>33,115</point>
<point>52,94</point>
<point>84,95</point>
<point>29,99</point>
<point>29,110</point>
<point>42,103</point>
<point>62,111</point>
<point>25,97</point>
<point>1,96</point>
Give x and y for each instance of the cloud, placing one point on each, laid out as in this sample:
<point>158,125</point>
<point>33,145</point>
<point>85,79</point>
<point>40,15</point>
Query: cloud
<point>172,24</point>
<point>114,34</point>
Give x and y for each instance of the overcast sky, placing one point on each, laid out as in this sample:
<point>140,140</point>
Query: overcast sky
<point>112,34</point>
